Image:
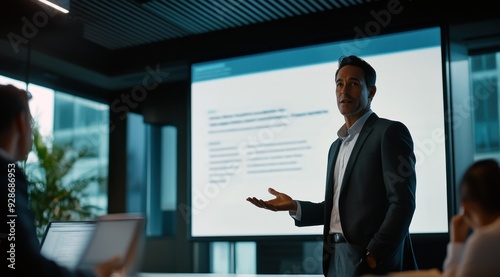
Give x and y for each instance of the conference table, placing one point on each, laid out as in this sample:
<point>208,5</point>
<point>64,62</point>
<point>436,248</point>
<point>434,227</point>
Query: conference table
<point>421,273</point>
<point>145,274</point>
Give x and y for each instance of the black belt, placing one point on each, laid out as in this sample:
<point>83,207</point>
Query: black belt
<point>337,238</point>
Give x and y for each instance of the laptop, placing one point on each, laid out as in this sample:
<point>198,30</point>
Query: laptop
<point>84,244</point>
<point>116,235</point>
<point>65,241</point>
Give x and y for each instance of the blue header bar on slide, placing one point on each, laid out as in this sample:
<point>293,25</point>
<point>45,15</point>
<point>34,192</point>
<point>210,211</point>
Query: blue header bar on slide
<point>362,46</point>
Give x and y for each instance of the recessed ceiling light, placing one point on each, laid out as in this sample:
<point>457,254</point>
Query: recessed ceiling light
<point>60,5</point>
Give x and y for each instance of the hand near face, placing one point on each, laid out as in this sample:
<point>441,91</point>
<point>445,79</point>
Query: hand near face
<point>459,228</point>
<point>281,202</point>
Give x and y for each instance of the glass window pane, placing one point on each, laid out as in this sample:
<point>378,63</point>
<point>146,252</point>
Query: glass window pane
<point>42,108</point>
<point>169,178</point>
<point>136,164</point>
<point>9,81</point>
<point>64,105</point>
<point>152,174</point>
<point>246,257</point>
<point>485,104</point>
<point>219,257</point>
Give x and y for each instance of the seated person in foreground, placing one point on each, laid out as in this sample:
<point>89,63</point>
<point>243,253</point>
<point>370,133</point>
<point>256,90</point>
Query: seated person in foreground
<point>19,245</point>
<point>476,255</point>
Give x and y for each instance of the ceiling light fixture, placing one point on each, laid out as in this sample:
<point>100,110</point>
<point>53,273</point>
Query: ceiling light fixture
<point>60,5</point>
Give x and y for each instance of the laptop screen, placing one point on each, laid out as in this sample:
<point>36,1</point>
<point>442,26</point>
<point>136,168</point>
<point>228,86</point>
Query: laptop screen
<point>116,235</point>
<point>65,241</point>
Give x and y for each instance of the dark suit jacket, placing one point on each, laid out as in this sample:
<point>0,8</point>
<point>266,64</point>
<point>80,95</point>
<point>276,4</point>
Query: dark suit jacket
<point>18,231</point>
<point>377,197</point>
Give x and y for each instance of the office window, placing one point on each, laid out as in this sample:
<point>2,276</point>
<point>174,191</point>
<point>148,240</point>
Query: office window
<point>83,125</point>
<point>152,174</point>
<point>245,257</point>
<point>233,257</point>
<point>485,104</point>
<point>220,257</point>
<point>64,106</point>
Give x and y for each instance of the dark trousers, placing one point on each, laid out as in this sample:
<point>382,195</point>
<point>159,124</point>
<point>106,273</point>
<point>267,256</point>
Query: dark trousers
<point>347,261</point>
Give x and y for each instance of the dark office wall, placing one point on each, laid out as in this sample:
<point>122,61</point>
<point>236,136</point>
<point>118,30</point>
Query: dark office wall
<point>430,249</point>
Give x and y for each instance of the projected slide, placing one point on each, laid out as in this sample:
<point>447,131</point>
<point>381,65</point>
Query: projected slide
<point>268,120</point>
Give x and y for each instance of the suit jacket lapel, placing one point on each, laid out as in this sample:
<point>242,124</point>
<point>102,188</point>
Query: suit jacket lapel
<point>363,135</point>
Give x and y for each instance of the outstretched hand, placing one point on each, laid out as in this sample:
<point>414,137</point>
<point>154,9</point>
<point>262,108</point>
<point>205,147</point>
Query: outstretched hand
<point>282,202</point>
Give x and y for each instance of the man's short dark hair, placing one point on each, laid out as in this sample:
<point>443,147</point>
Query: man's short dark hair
<point>481,184</point>
<point>370,74</point>
<point>12,102</point>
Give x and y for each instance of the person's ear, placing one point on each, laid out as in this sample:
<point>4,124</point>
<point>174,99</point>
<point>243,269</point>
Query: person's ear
<point>24,132</point>
<point>22,123</point>
<point>371,92</point>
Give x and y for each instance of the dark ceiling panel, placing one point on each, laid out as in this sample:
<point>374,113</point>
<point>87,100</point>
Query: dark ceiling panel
<point>108,43</point>
<point>120,24</point>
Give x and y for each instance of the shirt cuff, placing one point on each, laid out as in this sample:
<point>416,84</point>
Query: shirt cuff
<point>297,214</point>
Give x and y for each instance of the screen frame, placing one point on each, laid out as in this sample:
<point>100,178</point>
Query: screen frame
<point>315,237</point>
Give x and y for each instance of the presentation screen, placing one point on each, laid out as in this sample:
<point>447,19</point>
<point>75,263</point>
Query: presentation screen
<point>268,120</point>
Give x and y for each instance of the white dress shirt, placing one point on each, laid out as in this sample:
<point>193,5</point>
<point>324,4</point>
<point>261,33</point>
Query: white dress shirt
<point>349,138</point>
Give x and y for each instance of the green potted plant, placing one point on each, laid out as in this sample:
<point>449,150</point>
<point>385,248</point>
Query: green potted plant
<point>55,195</point>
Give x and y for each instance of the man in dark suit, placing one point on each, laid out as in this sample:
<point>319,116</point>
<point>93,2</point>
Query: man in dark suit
<point>19,245</point>
<point>370,184</point>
